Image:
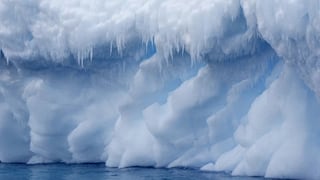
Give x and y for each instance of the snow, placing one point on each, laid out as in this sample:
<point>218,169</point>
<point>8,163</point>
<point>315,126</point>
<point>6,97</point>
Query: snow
<point>218,85</point>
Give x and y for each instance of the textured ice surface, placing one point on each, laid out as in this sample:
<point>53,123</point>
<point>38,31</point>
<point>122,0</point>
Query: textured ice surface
<point>218,85</point>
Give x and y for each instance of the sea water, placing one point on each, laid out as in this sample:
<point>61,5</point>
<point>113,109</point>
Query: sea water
<point>100,171</point>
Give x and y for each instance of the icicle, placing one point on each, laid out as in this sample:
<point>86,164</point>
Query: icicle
<point>91,54</point>
<point>111,46</point>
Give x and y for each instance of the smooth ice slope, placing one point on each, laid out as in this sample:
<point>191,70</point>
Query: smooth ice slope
<point>218,85</point>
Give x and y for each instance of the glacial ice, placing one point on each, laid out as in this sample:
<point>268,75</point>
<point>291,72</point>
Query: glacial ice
<point>217,85</point>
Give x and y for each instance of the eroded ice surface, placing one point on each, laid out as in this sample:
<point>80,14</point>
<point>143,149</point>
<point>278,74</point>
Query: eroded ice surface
<point>218,85</point>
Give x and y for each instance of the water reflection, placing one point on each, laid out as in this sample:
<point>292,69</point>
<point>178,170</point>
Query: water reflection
<point>99,172</point>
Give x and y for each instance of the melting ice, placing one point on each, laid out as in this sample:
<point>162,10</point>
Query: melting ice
<point>218,85</point>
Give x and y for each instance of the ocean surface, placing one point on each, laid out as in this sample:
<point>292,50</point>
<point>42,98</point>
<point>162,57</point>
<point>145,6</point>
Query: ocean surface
<point>99,172</point>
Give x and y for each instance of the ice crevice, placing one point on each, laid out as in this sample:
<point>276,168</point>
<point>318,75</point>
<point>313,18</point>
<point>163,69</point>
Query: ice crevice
<point>217,85</point>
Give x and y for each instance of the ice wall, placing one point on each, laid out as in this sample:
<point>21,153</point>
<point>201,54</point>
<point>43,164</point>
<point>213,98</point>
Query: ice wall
<point>218,85</point>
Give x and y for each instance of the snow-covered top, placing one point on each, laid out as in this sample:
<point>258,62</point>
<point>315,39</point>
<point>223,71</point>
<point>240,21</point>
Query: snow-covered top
<point>54,29</point>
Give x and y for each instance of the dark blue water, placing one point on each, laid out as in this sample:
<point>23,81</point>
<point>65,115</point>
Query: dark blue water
<point>99,172</point>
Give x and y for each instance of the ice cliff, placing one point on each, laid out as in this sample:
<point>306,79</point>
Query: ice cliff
<point>218,85</point>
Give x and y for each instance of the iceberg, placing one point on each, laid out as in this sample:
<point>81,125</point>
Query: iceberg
<point>217,85</point>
